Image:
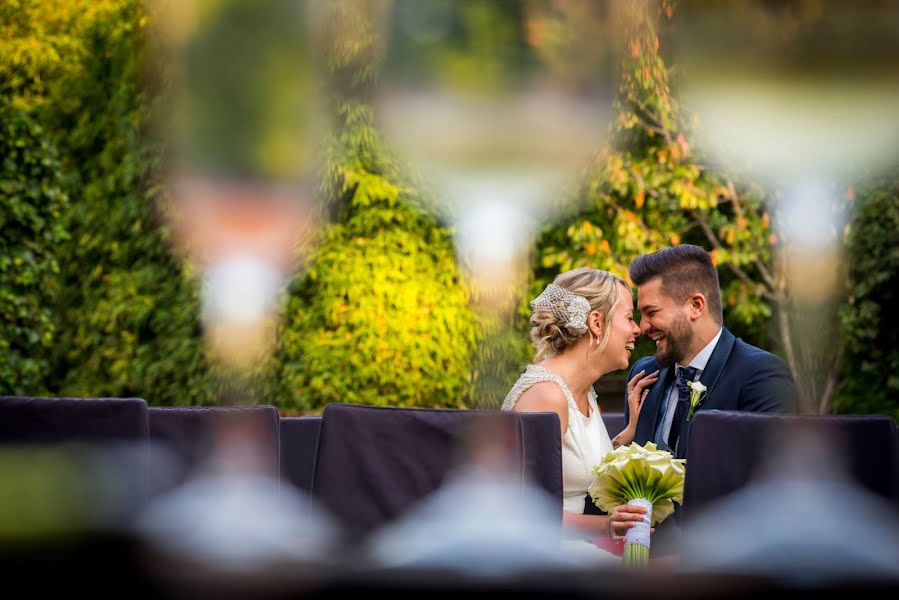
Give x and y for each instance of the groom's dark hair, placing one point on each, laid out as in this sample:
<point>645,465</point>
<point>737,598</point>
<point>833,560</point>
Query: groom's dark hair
<point>684,270</point>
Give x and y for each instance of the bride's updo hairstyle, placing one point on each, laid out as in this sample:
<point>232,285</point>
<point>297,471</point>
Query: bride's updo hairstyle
<point>560,313</point>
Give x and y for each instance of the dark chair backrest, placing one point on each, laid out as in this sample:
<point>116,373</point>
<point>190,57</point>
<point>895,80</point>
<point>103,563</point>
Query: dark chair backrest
<point>376,462</point>
<point>541,446</point>
<point>104,439</point>
<point>299,447</point>
<point>52,420</point>
<point>188,433</point>
<point>726,448</point>
<point>614,422</point>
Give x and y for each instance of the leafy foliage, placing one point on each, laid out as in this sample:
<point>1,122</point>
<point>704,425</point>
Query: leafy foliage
<point>93,302</point>
<point>130,307</point>
<point>126,311</point>
<point>382,315</point>
<point>648,189</point>
<point>870,374</point>
<point>32,201</point>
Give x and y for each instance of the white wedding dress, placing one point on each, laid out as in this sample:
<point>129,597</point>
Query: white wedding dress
<point>584,445</point>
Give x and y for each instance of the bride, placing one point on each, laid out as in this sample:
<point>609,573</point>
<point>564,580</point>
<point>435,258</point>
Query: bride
<point>582,328</point>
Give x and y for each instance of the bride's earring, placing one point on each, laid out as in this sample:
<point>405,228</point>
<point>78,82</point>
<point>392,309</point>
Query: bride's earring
<point>597,339</point>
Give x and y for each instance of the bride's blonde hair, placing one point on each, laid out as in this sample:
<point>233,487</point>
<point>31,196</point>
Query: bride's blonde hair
<point>551,332</point>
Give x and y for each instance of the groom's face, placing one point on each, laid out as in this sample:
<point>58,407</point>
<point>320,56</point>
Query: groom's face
<point>665,321</point>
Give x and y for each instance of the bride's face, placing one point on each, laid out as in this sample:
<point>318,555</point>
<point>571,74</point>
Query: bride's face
<point>624,331</point>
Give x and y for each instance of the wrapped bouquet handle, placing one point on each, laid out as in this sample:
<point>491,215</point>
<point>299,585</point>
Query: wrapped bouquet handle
<point>636,540</point>
<point>645,476</point>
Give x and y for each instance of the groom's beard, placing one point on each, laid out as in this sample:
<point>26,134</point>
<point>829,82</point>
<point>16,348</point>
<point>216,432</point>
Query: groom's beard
<point>678,339</point>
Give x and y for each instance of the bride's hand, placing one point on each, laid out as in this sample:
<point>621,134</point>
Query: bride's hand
<point>637,389</point>
<point>623,518</point>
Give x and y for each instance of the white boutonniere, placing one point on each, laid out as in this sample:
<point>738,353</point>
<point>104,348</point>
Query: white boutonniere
<point>697,393</point>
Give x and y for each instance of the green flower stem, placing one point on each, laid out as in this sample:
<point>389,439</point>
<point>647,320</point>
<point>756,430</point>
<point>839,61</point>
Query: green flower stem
<point>634,487</point>
<point>636,555</point>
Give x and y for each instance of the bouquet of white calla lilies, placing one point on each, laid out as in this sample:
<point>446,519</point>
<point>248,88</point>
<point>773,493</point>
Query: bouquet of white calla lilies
<point>642,475</point>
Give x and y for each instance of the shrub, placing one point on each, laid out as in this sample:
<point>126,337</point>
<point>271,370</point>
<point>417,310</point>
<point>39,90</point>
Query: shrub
<point>870,374</point>
<point>32,201</point>
<point>382,315</point>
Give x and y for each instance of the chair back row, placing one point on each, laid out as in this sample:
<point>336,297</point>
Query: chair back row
<point>390,457</point>
<point>368,465</point>
<point>728,450</point>
<point>394,457</point>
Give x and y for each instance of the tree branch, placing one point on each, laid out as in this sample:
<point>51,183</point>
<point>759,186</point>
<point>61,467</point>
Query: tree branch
<point>655,129</point>
<point>786,337</point>
<point>825,405</point>
<point>658,126</point>
<point>738,208</point>
<point>744,277</point>
<point>648,112</point>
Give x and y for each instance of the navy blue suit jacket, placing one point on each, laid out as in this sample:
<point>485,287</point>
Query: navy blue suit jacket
<point>738,376</point>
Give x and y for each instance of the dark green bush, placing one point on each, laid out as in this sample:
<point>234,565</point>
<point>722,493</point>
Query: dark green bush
<point>130,310</point>
<point>870,375</point>
<point>32,201</point>
<point>124,312</point>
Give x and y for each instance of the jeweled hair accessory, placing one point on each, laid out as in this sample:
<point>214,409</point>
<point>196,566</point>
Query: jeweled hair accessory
<point>568,308</point>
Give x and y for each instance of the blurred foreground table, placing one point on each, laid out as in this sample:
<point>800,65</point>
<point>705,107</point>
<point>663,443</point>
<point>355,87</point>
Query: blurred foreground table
<point>115,563</point>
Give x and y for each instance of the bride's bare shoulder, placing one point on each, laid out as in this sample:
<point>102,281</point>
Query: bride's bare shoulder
<point>545,396</point>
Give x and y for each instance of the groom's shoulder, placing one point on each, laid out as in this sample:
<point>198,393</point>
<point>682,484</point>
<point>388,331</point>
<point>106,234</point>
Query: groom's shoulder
<point>647,362</point>
<point>761,359</point>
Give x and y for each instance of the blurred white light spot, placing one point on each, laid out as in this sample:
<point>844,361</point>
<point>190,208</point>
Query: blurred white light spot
<point>491,232</point>
<point>807,215</point>
<point>784,128</point>
<point>241,288</point>
<point>495,215</point>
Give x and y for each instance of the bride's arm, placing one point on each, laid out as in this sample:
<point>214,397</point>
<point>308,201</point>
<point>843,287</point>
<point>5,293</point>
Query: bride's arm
<point>576,525</point>
<point>614,525</point>
<point>637,389</point>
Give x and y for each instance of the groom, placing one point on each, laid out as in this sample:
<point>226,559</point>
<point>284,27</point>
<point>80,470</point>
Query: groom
<point>679,300</point>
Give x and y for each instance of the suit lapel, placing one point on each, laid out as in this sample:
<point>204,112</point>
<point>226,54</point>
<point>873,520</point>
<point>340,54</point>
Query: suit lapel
<point>709,379</point>
<point>717,360</point>
<point>646,427</point>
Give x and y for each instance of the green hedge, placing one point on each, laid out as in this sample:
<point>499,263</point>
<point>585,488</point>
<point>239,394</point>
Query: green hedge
<point>870,377</point>
<point>382,315</point>
<point>32,201</point>
<point>130,309</point>
<point>124,311</point>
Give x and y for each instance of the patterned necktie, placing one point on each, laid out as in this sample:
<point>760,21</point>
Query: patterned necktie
<point>684,376</point>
